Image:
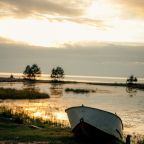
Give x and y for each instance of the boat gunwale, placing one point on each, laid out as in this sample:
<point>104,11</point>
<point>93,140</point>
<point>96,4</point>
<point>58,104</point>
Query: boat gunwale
<point>96,109</point>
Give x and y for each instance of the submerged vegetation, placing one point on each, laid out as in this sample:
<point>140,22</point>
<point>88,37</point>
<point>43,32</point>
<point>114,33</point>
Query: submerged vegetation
<point>9,93</point>
<point>79,90</point>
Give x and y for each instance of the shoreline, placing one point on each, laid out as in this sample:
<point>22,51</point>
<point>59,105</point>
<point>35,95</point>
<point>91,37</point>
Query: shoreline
<point>7,79</point>
<point>135,85</point>
<point>12,132</point>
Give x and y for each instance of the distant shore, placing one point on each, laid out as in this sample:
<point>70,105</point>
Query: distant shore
<point>7,79</point>
<point>135,85</point>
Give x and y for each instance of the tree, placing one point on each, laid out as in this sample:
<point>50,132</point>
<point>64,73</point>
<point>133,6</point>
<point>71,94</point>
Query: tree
<point>27,72</point>
<point>57,73</point>
<point>131,80</point>
<point>31,72</point>
<point>11,76</point>
<point>36,72</point>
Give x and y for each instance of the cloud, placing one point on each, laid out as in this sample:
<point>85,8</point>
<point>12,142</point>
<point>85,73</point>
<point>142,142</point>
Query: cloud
<point>89,21</point>
<point>63,10</point>
<point>5,40</point>
<point>23,8</point>
<point>131,8</point>
<point>78,59</point>
<point>103,45</point>
<point>11,44</point>
<point>79,20</point>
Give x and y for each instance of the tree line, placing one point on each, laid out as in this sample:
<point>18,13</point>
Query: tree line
<point>31,72</point>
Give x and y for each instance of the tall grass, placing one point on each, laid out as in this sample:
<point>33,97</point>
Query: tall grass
<point>8,93</point>
<point>137,139</point>
<point>22,117</point>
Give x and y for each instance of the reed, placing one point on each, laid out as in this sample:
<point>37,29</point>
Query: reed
<point>8,93</point>
<point>16,116</point>
<point>22,117</point>
<point>17,127</point>
<point>137,139</point>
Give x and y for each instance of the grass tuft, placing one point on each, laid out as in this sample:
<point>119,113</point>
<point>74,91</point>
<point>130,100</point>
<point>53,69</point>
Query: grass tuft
<point>79,90</point>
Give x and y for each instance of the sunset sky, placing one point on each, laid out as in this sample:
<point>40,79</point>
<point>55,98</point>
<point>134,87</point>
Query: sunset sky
<point>54,23</point>
<point>70,24</point>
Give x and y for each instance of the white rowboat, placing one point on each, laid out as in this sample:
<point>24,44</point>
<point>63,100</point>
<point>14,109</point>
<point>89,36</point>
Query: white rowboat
<point>95,123</point>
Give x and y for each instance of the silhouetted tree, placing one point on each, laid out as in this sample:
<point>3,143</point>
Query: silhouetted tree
<point>57,73</point>
<point>27,72</point>
<point>11,76</point>
<point>31,72</point>
<point>131,80</point>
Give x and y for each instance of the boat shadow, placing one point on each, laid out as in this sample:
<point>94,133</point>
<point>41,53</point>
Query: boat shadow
<point>95,141</point>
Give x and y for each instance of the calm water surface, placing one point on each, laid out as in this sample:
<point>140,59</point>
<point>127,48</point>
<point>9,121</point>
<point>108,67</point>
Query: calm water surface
<point>128,104</point>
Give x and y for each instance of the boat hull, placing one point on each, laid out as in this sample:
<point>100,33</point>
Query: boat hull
<point>87,132</point>
<point>94,123</point>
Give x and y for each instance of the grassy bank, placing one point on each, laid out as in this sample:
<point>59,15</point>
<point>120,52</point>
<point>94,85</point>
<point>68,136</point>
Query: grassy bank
<point>18,127</point>
<point>14,132</point>
<point>8,93</point>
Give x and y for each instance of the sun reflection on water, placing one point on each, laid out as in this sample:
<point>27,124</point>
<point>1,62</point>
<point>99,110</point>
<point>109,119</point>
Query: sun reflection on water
<point>37,114</point>
<point>60,115</point>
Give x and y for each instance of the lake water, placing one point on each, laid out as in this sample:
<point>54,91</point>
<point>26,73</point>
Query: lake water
<point>127,103</point>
